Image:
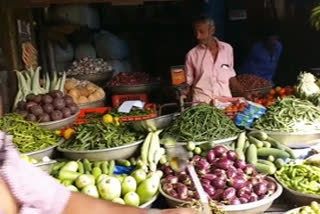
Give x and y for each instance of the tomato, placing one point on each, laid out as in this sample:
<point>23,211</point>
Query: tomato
<point>282,91</point>
<point>272,92</point>
<point>259,102</point>
<point>228,109</point>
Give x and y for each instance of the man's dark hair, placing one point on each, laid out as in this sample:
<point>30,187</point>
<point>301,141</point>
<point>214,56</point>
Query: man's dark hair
<point>202,18</point>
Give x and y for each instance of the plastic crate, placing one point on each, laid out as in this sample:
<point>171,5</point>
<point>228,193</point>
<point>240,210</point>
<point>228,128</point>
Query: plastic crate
<point>80,119</point>
<point>117,100</point>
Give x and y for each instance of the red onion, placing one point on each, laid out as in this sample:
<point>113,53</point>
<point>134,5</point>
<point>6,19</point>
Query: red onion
<point>219,150</point>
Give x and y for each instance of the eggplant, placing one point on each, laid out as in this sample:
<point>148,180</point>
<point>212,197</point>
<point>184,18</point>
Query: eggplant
<point>167,187</point>
<point>211,156</point>
<point>167,170</point>
<point>220,173</point>
<point>231,155</point>
<point>229,194</point>
<point>234,201</point>
<point>205,181</point>
<point>182,176</point>
<point>260,189</point>
<point>224,163</point>
<point>219,183</point>
<point>253,197</point>
<point>209,189</point>
<point>219,150</point>
<point>182,191</point>
<point>172,179</point>
<point>240,164</point>
<point>237,182</point>
<point>271,186</point>
<point>244,191</point>
<point>243,200</point>
<point>254,181</point>
<point>250,170</point>
<point>196,196</point>
<point>231,173</point>
<point>217,195</point>
<point>209,176</point>
<point>196,158</point>
<point>173,193</point>
<point>203,165</point>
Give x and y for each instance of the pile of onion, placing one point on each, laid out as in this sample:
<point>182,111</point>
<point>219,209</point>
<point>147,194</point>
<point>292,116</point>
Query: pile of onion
<point>225,178</point>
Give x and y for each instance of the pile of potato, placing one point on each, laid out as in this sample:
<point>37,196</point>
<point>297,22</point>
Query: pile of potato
<point>83,92</point>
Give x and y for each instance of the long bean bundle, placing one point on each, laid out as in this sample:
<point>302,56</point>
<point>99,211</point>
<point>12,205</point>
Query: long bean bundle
<point>98,135</point>
<point>290,115</point>
<point>27,136</point>
<point>202,123</point>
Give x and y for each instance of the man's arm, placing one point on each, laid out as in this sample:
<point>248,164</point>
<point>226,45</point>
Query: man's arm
<point>189,74</point>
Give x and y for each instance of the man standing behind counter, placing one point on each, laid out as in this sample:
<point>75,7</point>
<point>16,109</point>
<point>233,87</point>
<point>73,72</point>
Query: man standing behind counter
<point>209,65</point>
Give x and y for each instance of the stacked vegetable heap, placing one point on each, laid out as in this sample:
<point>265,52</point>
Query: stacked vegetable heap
<point>97,179</point>
<point>225,178</point>
<point>202,123</point>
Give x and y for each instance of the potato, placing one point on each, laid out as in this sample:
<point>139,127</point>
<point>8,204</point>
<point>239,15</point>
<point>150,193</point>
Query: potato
<point>93,98</point>
<point>84,92</point>
<point>70,84</point>
<point>83,100</point>
<point>74,93</point>
<point>91,88</point>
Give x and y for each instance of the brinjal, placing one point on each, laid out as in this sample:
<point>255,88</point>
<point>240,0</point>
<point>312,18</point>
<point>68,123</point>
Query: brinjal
<point>260,189</point>
<point>224,163</point>
<point>229,194</point>
<point>210,156</point>
<point>219,150</point>
<point>239,163</point>
<point>237,182</point>
<point>231,155</point>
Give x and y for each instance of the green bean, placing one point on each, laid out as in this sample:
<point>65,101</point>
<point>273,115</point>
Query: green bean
<point>98,135</point>
<point>290,115</point>
<point>27,136</point>
<point>202,123</point>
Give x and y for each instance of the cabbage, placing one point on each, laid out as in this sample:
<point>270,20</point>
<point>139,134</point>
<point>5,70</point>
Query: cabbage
<point>307,87</point>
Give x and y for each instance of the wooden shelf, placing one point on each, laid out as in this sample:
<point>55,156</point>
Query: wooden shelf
<point>44,3</point>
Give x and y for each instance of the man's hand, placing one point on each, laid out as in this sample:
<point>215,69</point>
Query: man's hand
<point>8,203</point>
<point>179,211</point>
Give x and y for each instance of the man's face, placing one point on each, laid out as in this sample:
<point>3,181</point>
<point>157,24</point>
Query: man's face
<point>203,31</point>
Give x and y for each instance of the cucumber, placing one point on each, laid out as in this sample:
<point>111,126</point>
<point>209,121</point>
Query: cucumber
<point>246,145</point>
<point>278,145</point>
<point>266,162</point>
<point>96,171</point>
<point>251,154</point>
<point>145,148</point>
<point>87,166</point>
<point>133,161</point>
<point>104,167</point>
<point>97,164</point>
<point>259,135</point>
<point>111,167</point>
<point>279,163</point>
<point>266,144</point>
<point>241,140</point>
<point>271,158</point>
<point>265,169</point>
<point>123,162</point>
<point>80,167</point>
<point>258,143</point>
<point>277,153</point>
<point>240,153</point>
<point>232,146</point>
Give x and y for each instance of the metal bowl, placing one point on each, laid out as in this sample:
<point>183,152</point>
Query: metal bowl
<point>148,204</point>
<point>99,78</point>
<point>38,155</point>
<point>154,124</point>
<point>225,141</point>
<point>59,124</point>
<point>46,166</point>
<point>134,89</point>
<point>249,208</point>
<point>95,104</point>
<point>296,197</point>
<point>294,139</point>
<point>121,152</point>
